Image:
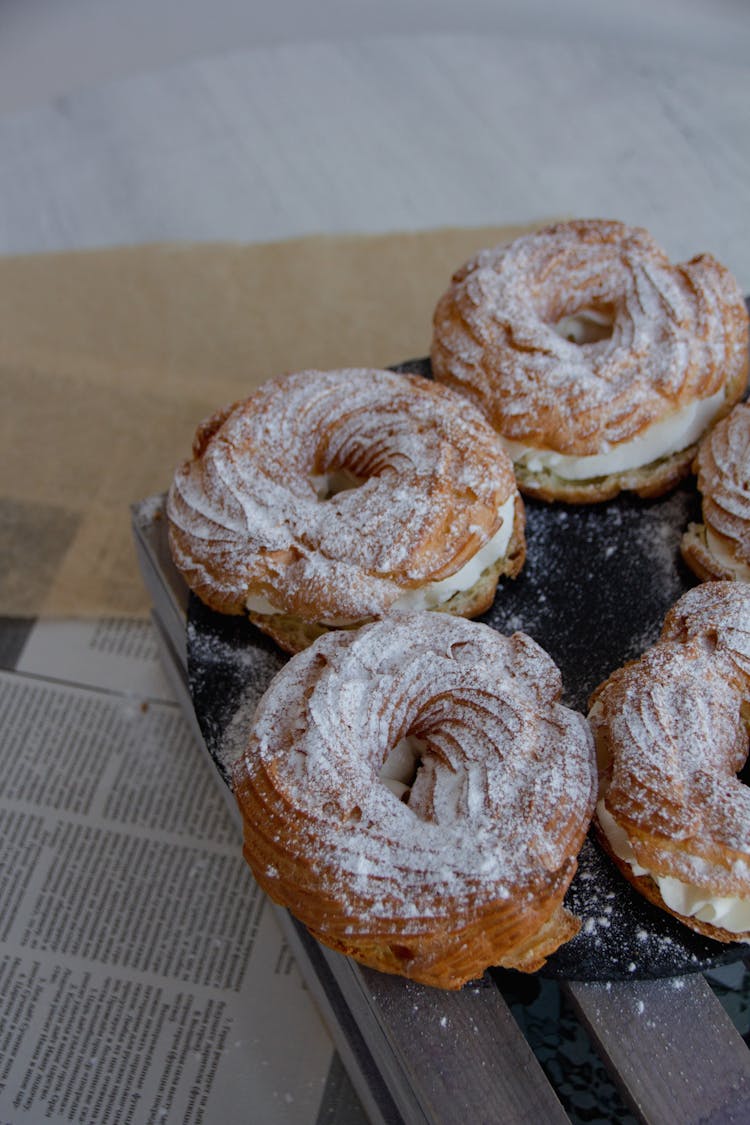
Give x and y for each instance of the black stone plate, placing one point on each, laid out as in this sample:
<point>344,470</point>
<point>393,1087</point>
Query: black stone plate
<point>597,583</point>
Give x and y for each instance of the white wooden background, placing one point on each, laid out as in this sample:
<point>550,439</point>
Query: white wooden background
<point>48,47</point>
<point>390,133</point>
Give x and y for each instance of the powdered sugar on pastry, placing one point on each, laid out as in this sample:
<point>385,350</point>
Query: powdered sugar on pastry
<point>720,546</point>
<point>247,518</point>
<point>671,737</point>
<point>471,864</point>
<point>666,336</point>
<point>718,612</point>
<point>434,594</point>
<point>731,912</point>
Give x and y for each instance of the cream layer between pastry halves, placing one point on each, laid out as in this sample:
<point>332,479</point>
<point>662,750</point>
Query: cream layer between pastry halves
<point>730,912</point>
<point>664,438</point>
<point>726,557</point>
<point>437,593</point>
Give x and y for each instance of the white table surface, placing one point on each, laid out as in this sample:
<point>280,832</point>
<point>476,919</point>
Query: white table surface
<point>50,47</point>
<point>390,133</point>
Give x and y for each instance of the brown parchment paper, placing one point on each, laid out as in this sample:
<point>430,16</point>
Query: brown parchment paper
<point>110,358</point>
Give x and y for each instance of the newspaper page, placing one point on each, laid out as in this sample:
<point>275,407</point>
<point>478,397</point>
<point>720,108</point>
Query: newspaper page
<point>143,977</point>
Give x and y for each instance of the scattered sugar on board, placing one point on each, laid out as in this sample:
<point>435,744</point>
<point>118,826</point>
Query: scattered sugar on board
<point>229,668</point>
<point>596,583</point>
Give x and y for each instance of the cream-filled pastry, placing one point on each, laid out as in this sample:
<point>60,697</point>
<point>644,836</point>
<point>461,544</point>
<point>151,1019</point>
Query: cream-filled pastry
<point>598,362</point>
<point>417,795</point>
<point>719,546</point>
<point>671,731</point>
<point>329,498</point>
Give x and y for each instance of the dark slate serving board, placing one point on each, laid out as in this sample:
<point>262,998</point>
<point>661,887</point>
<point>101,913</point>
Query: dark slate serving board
<point>596,585</point>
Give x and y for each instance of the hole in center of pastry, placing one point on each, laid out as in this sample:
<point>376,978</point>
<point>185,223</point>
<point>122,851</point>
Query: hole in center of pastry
<point>399,770</point>
<point>586,326</point>
<point>335,481</point>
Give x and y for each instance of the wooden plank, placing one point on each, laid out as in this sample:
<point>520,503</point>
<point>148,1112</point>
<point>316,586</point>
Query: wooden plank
<point>671,1047</point>
<point>355,1053</point>
<point>459,1055</point>
<point>165,585</point>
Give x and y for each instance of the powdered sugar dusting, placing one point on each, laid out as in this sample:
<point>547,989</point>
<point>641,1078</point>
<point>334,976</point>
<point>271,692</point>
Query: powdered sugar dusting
<point>672,724</point>
<point>724,480</point>
<point>594,592</point>
<point>229,670</point>
<point>502,800</point>
<point>678,333</point>
<point>246,518</point>
<point>596,583</point>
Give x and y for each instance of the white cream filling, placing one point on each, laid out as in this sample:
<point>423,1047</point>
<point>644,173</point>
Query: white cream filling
<point>257,603</point>
<point>398,770</point>
<point>435,593</point>
<point>587,326</point>
<point>338,480</point>
<point>727,557</point>
<point>730,912</point>
<point>659,440</point>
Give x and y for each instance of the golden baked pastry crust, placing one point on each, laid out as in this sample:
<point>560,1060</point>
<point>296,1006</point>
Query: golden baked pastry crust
<point>679,333</point>
<point>722,467</point>
<point>646,886</point>
<point>671,734</point>
<point>293,633</point>
<point>718,613</point>
<point>472,871</point>
<point>246,520</point>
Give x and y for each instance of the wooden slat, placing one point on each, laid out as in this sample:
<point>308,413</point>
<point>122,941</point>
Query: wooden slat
<point>671,1047</point>
<point>355,1053</point>
<point>161,579</point>
<point>459,1056</point>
